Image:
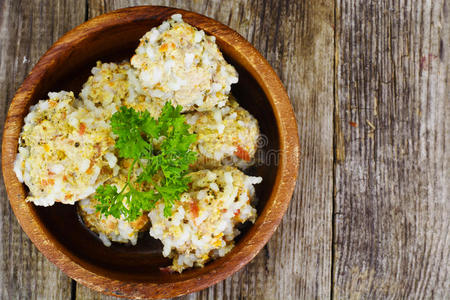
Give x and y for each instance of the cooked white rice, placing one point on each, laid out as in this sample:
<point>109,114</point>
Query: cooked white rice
<point>65,151</point>
<point>203,223</point>
<point>225,136</point>
<point>179,63</point>
<point>113,85</point>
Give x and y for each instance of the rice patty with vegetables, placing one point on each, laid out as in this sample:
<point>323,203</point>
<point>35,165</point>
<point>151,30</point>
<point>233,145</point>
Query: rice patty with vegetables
<point>65,151</point>
<point>181,64</point>
<point>203,223</point>
<point>110,228</point>
<point>112,85</point>
<point>225,136</point>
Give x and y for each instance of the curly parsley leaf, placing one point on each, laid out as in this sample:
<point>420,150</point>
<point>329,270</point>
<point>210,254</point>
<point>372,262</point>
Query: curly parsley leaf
<point>163,169</point>
<point>135,131</point>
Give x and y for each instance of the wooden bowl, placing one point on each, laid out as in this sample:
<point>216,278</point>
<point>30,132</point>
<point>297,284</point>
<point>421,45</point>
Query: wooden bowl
<point>135,271</point>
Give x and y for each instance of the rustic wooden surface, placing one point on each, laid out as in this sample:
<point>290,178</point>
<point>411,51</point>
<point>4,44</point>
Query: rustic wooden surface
<point>392,174</point>
<point>368,82</point>
<point>27,30</point>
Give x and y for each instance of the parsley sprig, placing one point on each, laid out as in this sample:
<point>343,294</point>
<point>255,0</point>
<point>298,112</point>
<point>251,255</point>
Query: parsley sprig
<point>164,167</point>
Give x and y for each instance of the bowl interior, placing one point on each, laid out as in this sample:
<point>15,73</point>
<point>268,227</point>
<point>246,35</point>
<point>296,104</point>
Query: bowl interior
<point>142,262</point>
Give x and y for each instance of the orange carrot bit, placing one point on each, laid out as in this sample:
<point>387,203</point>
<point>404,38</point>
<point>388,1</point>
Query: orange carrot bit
<point>82,128</point>
<point>242,153</point>
<point>68,196</point>
<point>194,208</point>
<point>163,47</point>
<point>353,124</point>
<point>237,212</point>
<point>90,169</point>
<point>46,182</point>
<point>65,178</point>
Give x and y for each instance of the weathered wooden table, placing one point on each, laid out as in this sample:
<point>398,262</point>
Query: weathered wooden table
<point>369,84</point>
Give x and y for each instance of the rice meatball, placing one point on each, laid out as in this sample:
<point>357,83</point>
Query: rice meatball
<point>203,222</point>
<point>179,63</point>
<point>225,136</point>
<point>112,85</point>
<point>65,151</point>
<point>111,229</point>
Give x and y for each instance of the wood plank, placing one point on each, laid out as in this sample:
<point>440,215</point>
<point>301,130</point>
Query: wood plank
<point>392,184</point>
<point>297,39</point>
<point>27,30</point>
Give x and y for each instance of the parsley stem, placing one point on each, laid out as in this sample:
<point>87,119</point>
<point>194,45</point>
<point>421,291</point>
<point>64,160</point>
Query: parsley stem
<point>131,169</point>
<point>128,179</point>
<point>122,190</point>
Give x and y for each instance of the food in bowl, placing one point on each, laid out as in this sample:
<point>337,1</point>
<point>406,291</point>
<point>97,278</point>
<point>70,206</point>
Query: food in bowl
<point>109,228</point>
<point>112,85</point>
<point>123,152</point>
<point>65,151</point>
<point>203,224</point>
<point>176,62</point>
<point>225,136</point>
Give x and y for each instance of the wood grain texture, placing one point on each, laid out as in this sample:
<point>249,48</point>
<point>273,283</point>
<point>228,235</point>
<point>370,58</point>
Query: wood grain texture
<point>296,37</point>
<point>392,185</point>
<point>27,30</point>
